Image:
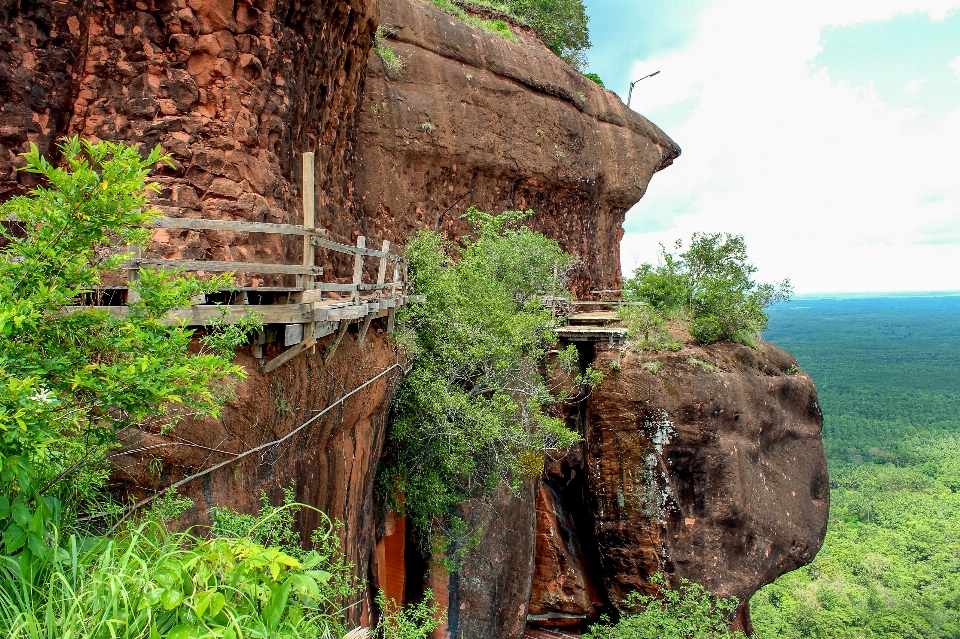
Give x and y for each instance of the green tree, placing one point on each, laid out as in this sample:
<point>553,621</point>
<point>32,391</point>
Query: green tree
<point>561,24</point>
<point>72,377</point>
<point>709,287</point>
<point>474,408</point>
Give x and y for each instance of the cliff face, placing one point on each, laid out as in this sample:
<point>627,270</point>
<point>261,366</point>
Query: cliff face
<point>474,119</point>
<point>713,475</point>
<point>711,468</point>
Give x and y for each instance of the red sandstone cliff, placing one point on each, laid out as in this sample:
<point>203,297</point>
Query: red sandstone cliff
<point>511,126</point>
<point>237,90</point>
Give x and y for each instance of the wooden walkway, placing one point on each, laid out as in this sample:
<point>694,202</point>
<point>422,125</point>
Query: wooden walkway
<point>294,316</point>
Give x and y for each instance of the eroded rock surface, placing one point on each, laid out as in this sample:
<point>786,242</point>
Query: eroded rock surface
<point>711,469</point>
<point>563,593</point>
<point>487,595</point>
<point>475,119</point>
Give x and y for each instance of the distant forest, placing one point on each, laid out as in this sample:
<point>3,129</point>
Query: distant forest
<point>888,374</point>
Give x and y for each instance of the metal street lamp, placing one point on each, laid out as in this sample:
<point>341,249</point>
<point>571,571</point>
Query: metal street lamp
<point>630,94</point>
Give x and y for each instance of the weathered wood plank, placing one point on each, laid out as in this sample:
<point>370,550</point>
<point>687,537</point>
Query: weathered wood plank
<point>353,250</point>
<point>203,315</point>
<point>239,267</point>
<point>309,215</point>
<point>201,224</point>
<point>358,268</point>
<point>289,354</point>
<point>382,271</point>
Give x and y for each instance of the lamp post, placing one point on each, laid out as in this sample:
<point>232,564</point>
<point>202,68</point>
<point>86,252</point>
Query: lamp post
<point>630,94</point>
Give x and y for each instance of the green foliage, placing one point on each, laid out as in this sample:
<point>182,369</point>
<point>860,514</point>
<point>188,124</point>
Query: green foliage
<point>646,329</point>
<point>474,405</point>
<point>595,78</point>
<point>561,24</point>
<point>687,612</point>
<point>886,372</point>
<point>416,621</point>
<point>393,64</point>
<point>149,583</point>
<point>710,288</point>
<point>71,378</point>
<point>496,27</point>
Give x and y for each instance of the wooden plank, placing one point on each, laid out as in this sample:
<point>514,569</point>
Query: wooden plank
<point>382,272</point>
<point>358,267</point>
<point>353,250</point>
<point>289,354</point>
<point>309,214</point>
<point>133,275</point>
<point>292,334</point>
<point>362,336</point>
<point>203,315</point>
<point>201,224</point>
<point>239,267</point>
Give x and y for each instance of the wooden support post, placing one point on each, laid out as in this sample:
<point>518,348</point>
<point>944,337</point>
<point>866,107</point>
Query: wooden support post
<point>391,315</point>
<point>363,329</point>
<point>358,269</point>
<point>309,215</point>
<point>396,278</point>
<point>133,275</point>
<point>382,273</point>
<point>289,354</point>
<point>328,357</point>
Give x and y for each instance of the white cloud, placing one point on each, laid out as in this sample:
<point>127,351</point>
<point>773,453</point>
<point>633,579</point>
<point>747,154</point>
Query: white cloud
<point>955,65</point>
<point>830,186</point>
<point>913,87</point>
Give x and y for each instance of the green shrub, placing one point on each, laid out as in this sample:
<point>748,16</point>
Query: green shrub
<point>687,612</point>
<point>473,408</point>
<point>561,24</point>
<point>710,288</point>
<point>595,78</point>
<point>71,379</point>
<point>148,583</point>
<point>416,621</point>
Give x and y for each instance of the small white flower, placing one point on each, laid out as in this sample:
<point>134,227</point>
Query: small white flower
<point>44,395</point>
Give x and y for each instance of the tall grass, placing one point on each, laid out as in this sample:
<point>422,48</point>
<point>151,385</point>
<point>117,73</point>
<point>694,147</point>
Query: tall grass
<point>148,583</point>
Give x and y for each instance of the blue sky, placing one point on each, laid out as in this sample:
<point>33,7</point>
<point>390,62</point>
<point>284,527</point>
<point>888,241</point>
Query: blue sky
<point>827,132</point>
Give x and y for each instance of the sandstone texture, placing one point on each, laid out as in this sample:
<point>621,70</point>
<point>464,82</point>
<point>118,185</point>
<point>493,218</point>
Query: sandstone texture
<point>332,460</point>
<point>563,593</point>
<point>711,469</point>
<point>487,595</point>
<point>236,90</point>
<point>474,119</point>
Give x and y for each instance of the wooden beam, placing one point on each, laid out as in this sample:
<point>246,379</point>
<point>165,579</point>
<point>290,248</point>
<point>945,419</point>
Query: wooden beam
<point>363,329</point>
<point>203,315</point>
<point>358,267</point>
<point>353,250</point>
<point>201,224</point>
<point>382,272</point>
<point>309,214</point>
<point>288,355</point>
<point>239,267</point>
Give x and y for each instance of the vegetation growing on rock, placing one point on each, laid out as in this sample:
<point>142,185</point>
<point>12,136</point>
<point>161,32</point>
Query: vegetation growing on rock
<point>709,288</point>
<point>685,612</point>
<point>474,409</point>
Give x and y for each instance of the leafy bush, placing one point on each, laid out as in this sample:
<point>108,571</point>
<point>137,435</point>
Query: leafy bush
<point>473,408</point>
<point>416,621</point>
<point>149,583</point>
<point>687,612</point>
<point>595,78</point>
<point>710,288</point>
<point>561,24</point>
<point>71,378</point>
